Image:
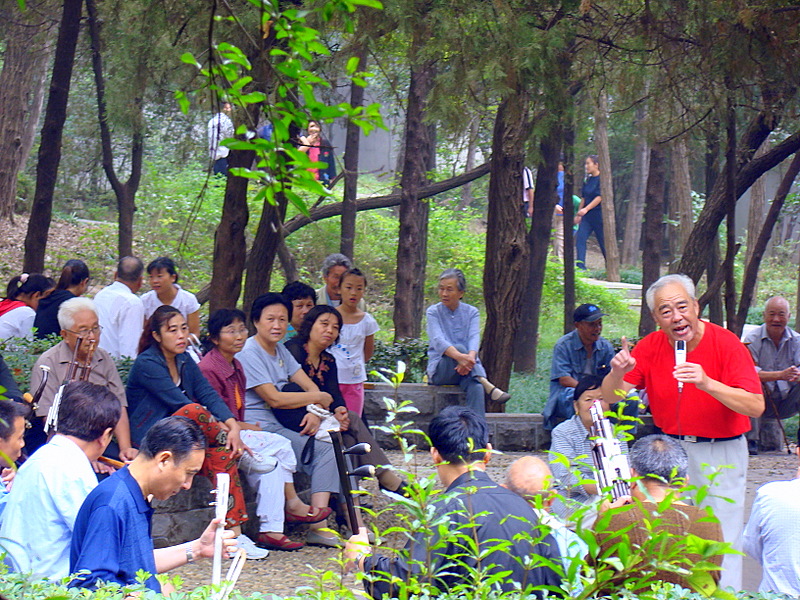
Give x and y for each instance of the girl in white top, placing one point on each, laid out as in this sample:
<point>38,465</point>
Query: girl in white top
<point>165,290</point>
<point>18,308</point>
<point>356,340</point>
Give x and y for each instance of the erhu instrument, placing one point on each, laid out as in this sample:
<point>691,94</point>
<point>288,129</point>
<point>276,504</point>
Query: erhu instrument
<point>347,478</point>
<point>225,587</point>
<point>611,465</point>
<point>76,371</point>
<point>32,402</point>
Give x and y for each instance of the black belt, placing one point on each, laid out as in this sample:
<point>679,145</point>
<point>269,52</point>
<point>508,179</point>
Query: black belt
<point>697,438</point>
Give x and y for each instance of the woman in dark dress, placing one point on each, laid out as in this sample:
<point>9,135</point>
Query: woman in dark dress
<point>73,282</point>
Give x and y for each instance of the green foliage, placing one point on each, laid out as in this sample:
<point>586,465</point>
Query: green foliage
<point>414,353</point>
<point>20,354</point>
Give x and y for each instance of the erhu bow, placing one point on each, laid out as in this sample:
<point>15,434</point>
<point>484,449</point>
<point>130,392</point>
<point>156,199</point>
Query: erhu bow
<point>225,587</point>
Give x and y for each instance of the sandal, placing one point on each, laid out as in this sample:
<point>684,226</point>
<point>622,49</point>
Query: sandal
<point>310,517</point>
<point>502,398</point>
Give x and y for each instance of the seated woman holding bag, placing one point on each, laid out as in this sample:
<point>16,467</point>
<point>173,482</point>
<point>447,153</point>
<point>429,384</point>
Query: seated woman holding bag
<point>318,331</point>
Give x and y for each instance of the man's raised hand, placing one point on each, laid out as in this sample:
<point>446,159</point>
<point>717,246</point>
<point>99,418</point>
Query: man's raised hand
<point>623,362</point>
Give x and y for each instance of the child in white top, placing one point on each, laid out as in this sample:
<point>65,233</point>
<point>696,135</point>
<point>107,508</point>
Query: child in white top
<point>165,290</point>
<point>356,340</point>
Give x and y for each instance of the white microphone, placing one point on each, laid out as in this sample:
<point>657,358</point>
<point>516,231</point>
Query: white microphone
<point>680,358</point>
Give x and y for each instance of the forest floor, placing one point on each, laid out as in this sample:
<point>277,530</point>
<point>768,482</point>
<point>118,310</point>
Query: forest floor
<point>283,572</point>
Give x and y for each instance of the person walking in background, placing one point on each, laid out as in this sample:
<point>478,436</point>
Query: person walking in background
<point>18,308</point>
<point>356,340</point>
<point>319,149</point>
<point>527,193</point>
<point>73,282</point>
<point>454,330</point>
<point>120,310</point>
<point>590,213</point>
<point>220,127</point>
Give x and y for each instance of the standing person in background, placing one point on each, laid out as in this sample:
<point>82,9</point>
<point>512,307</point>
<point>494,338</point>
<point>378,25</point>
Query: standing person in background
<point>332,268</point>
<point>73,282</point>
<point>303,299</point>
<point>454,332</point>
<point>527,193</point>
<point>590,213</point>
<point>319,149</point>
<point>165,290</point>
<point>120,310</point>
<point>18,308</point>
<point>220,127</point>
<point>356,340</point>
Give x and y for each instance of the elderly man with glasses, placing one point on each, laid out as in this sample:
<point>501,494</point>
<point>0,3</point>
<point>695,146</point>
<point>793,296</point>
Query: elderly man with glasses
<point>78,320</point>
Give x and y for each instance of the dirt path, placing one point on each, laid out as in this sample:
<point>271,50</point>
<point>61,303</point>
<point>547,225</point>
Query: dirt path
<point>283,572</point>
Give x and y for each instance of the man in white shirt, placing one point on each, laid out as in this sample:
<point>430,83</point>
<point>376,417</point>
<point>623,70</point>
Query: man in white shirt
<point>220,127</point>
<point>120,311</point>
<point>37,523</point>
<point>772,536</point>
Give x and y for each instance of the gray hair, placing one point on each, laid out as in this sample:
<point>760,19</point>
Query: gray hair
<point>659,458</point>
<point>335,260</point>
<point>778,299</point>
<point>70,308</point>
<point>679,278</point>
<point>456,274</point>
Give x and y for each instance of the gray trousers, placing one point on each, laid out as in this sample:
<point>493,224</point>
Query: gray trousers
<point>446,374</point>
<point>729,461</point>
<point>766,429</point>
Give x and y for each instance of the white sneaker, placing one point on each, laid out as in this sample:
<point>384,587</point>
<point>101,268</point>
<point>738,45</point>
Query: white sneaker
<point>253,551</point>
<point>255,463</point>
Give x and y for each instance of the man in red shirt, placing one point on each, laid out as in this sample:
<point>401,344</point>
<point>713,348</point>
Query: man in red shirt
<point>705,402</point>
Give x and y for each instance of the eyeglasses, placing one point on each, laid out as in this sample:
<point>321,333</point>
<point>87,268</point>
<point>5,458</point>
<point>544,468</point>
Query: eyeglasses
<point>84,332</point>
<point>232,331</point>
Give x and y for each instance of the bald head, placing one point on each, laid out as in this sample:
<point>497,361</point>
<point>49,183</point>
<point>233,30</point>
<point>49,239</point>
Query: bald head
<point>529,476</point>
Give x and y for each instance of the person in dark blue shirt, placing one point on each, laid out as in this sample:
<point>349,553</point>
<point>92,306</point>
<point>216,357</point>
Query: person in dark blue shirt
<point>111,540</point>
<point>590,213</point>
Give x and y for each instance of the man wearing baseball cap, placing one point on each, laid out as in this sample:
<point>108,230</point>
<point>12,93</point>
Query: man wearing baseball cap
<point>582,351</point>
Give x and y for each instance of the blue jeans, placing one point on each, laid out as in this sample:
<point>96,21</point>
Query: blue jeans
<point>446,374</point>
<point>591,222</point>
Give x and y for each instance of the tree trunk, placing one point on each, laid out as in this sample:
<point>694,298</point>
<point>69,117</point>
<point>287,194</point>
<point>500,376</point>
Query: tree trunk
<point>755,214</point>
<point>681,196</point>
<point>569,220</point>
<point>653,234</point>
<point>25,60</point>
<point>288,262</point>
<point>695,255</point>
<point>472,147</point>
<point>606,188</point>
<point>633,218</point>
<point>760,245</point>
<point>544,202</point>
<point>730,247</point>
<point>230,246</point>
<point>124,192</point>
<point>351,156</point>
<point>715,314</point>
<point>262,253</point>
<point>412,246</point>
<point>52,132</point>
<point>507,250</point>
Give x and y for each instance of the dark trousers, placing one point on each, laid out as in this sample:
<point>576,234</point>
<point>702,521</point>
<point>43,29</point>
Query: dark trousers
<point>591,222</point>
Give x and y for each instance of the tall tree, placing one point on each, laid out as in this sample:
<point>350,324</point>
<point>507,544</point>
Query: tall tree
<point>681,191</point>
<point>606,187</point>
<point>28,48</point>
<point>633,217</point>
<point>52,133</point>
<point>653,234</point>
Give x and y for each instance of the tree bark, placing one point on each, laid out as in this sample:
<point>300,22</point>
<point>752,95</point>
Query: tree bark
<point>606,188</point>
<point>730,247</point>
<point>760,244</point>
<point>124,192</point>
<point>694,259</point>
<point>262,253</point>
<point>681,192</point>
<point>539,235</point>
<point>715,313</point>
<point>327,211</point>
<point>568,222</point>
<point>507,250</point>
<point>653,233</point>
<point>412,247</point>
<point>52,132</point>
<point>351,156</point>
<point>22,79</point>
<point>755,214</point>
<point>288,262</point>
<point>633,218</point>
<point>230,246</point>
<point>472,147</point>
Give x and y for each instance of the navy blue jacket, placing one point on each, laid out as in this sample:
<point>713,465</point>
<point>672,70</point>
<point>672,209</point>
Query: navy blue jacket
<point>152,395</point>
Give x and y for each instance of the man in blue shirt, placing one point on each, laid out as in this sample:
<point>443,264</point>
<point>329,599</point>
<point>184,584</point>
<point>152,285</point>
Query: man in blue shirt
<point>111,540</point>
<point>582,351</point>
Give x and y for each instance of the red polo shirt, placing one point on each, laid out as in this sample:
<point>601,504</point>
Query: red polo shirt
<point>723,358</point>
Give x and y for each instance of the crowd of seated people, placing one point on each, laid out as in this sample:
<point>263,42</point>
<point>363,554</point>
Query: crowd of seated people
<point>259,407</point>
